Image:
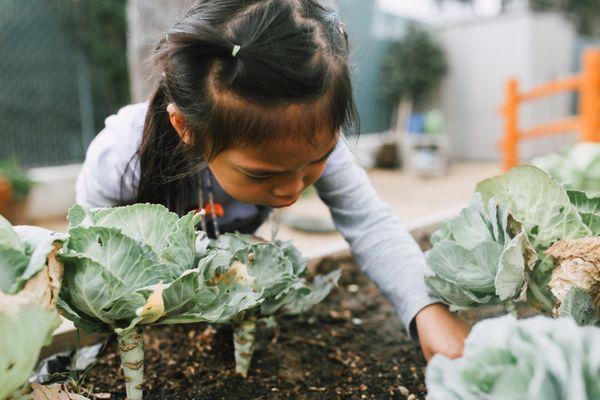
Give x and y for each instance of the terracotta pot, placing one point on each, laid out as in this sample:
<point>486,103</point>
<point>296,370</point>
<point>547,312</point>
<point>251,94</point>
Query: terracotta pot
<point>15,211</point>
<point>5,194</point>
<point>11,208</point>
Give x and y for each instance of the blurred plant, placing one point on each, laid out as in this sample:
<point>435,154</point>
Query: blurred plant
<point>536,358</point>
<point>413,68</point>
<point>13,179</point>
<point>585,14</point>
<point>30,278</point>
<point>411,71</point>
<point>576,168</point>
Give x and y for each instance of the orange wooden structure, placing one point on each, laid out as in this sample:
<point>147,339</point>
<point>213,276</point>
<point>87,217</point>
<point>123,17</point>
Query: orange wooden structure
<point>587,122</point>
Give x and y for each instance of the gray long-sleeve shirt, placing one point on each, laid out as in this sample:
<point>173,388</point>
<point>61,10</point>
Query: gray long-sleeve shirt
<point>382,247</point>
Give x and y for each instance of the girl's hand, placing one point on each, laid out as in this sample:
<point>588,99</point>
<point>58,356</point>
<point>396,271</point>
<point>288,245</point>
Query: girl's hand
<point>440,331</point>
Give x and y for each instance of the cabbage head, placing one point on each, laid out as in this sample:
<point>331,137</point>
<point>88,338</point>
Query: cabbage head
<point>577,168</point>
<point>548,214</point>
<point>531,359</point>
<point>481,257</point>
<point>269,280</point>
<point>131,265</point>
<point>269,276</point>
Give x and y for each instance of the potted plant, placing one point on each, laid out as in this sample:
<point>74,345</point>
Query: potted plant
<point>15,186</point>
<point>410,73</point>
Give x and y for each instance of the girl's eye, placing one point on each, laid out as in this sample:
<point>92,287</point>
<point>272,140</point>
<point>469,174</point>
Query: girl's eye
<point>322,160</point>
<point>258,179</point>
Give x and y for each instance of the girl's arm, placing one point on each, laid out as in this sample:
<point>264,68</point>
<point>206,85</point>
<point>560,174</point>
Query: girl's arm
<point>386,252</point>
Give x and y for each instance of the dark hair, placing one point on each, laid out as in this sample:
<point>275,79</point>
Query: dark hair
<point>289,79</point>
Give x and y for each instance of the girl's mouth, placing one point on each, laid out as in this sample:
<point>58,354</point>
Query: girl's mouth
<point>284,205</point>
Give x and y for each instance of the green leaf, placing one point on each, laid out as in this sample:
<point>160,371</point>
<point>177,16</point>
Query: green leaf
<point>546,212</point>
<point>12,265</point>
<point>538,294</point>
<point>79,216</point>
<point>149,224</point>
<point>453,295</point>
<point>304,298</point>
<point>510,277</point>
<point>132,265</point>
<point>40,242</point>
<point>579,305</point>
<point>535,358</point>
<point>294,255</point>
<point>577,168</point>
<point>589,209</point>
<point>473,270</point>
<point>267,264</point>
<point>106,273</point>
<point>470,229</point>
<point>23,334</point>
<point>441,234</point>
<point>180,250</point>
<point>8,237</point>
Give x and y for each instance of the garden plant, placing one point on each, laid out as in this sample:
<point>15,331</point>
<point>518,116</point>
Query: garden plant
<point>138,265</point>
<point>30,278</point>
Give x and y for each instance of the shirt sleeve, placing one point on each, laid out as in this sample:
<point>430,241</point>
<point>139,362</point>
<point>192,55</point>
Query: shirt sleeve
<point>383,248</point>
<point>110,172</point>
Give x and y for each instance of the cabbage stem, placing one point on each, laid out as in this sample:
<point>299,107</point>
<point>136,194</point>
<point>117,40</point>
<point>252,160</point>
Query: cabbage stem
<point>511,308</point>
<point>244,334</point>
<point>131,348</point>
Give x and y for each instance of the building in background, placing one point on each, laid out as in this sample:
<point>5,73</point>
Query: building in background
<point>482,55</point>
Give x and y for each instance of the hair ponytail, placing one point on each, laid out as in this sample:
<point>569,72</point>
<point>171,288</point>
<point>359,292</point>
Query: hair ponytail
<point>168,172</point>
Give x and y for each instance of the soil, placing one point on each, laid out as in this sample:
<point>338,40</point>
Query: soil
<point>351,346</point>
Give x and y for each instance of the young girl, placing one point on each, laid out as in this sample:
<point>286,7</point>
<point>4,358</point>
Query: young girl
<point>250,103</point>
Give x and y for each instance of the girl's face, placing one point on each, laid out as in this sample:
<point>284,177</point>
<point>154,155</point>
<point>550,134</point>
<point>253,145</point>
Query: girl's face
<point>273,175</point>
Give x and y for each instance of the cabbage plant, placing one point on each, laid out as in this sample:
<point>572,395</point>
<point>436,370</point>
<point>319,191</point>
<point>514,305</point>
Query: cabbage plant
<point>575,281</point>
<point>577,168</point>
<point>269,275</point>
<point>29,282</point>
<point>481,257</point>
<point>130,266</point>
<point>588,207</point>
<point>530,359</point>
<point>548,213</point>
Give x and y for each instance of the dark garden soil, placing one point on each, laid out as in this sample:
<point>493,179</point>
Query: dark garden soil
<point>351,346</point>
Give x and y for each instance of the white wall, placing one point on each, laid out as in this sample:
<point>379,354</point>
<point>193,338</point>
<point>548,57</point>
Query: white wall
<point>482,55</point>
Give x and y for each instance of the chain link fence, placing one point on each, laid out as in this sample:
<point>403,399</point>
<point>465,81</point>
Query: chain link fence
<point>52,102</point>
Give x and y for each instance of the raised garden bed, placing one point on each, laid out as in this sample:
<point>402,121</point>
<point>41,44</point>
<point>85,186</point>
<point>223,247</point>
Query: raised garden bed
<point>352,345</point>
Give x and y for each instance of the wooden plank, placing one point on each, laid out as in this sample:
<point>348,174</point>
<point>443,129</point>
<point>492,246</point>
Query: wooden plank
<point>552,128</point>
<point>64,338</point>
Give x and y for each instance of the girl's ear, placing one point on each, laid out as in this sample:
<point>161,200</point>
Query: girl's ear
<point>178,121</point>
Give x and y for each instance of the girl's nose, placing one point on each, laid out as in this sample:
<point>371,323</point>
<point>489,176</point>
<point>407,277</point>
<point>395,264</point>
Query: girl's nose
<point>290,188</point>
